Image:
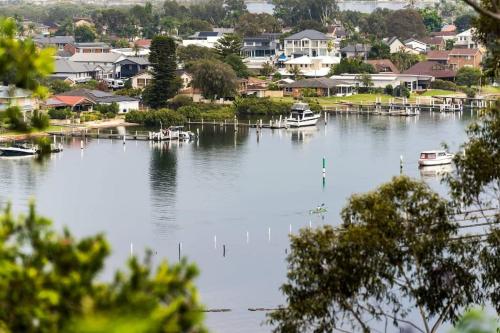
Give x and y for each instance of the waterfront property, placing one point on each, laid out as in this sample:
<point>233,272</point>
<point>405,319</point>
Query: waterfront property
<point>17,97</point>
<point>411,81</point>
<point>310,66</point>
<point>309,42</point>
<point>319,87</point>
<point>125,103</point>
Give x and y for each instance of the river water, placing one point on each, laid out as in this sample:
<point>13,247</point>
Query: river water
<point>241,190</point>
<point>361,6</point>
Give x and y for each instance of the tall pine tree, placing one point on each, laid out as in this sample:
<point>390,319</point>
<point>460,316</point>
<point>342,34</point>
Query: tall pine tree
<point>165,82</point>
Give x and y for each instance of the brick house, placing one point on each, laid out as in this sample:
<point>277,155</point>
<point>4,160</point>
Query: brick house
<point>465,58</point>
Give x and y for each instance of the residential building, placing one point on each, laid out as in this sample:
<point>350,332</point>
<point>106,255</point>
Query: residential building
<point>264,46</point>
<point>97,47</point>
<point>141,80</point>
<point>113,65</point>
<point>131,52</point>
<point>143,43</point>
<point>442,57</point>
<point>466,58</point>
<point>57,42</point>
<point>434,69</point>
<point>17,97</point>
<point>435,43</point>
<point>416,45</point>
<point>74,103</point>
<point>383,66</point>
<point>252,87</point>
<point>336,31</point>
<point>75,71</point>
<point>310,66</point>
<point>125,103</point>
<point>355,51</point>
<point>309,42</point>
<point>446,35</point>
<point>130,66</point>
<point>203,38</point>
<point>381,80</point>
<point>394,44</point>
<point>321,86</point>
<point>466,40</point>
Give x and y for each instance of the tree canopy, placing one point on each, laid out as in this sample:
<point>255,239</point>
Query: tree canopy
<point>293,11</point>
<point>468,76</point>
<point>353,66</point>
<point>214,78</point>
<point>84,34</point>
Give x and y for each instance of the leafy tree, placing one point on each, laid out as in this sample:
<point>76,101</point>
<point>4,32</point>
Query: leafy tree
<point>310,25</point>
<point>214,78</point>
<point>401,91</point>
<point>431,19</point>
<point>404,60</point>
<point>22,64</point>
<point>295,71</point>
<point>39,120</point>
<point>464,21</point>
<point>84,34</point>
<point>352,66</point>
<point>267,69</point>
<point>251,24</point>
<point>234,10</point>
<point>406,23</point>
<point>237,65</point>
<point>59,86</point>
<point>352,19</point>
<point>392,254</point>
<point>48,284</point>
<point>379,50</point>
<point>366,80</point>
<point>191,26</point>
<point>121,43</point>
<point>192,53</point>
<point>468,76</point>
<point>228,44</point>
<point>293,11</point>
<point>376,24</point>
<point>212,11</point>
<point>16,119</point>
<point>476,320</point>
<point>450,43</point>
<point>65,28</point>
<point>165,83</point>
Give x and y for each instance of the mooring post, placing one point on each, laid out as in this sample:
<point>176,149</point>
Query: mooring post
<point>215,241</point>
<point>124,138</point>
<point>224,250</point>
<point>401,163</point>
<point>324,167</point>
<point>81,144</point>
<point>269,234</point>
<point>131,249</point>
<point>180,249</point>
<point>248,237</point>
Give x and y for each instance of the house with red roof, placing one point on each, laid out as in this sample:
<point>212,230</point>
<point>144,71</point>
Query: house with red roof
<point>432,68</point>
<point>435,43</point>
<point>75,103</point>
<point>383,66</point>
<point>466,58</point>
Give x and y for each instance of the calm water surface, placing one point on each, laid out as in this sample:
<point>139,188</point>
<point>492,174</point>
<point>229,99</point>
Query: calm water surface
<point>223,186</point>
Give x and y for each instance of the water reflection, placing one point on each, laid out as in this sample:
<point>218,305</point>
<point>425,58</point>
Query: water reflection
<point>303,135</point>
<point>163,182</point>
<point>435,172</point>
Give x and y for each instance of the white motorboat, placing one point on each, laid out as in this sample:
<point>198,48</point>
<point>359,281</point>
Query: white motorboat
<point>435,157</point>
<point>302,116</point>
<point>183,135</point>
<point>18,150</point>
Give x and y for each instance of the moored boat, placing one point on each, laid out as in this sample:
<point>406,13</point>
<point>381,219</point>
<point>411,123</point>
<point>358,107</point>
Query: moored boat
<point>18,150</point>
<point>302,116</point>
<point>435,157</point>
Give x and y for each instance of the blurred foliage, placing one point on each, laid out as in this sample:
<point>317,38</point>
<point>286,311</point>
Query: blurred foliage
<point>48,284</point>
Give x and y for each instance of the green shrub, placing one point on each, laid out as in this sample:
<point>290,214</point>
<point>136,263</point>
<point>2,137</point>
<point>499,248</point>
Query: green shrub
<point>444,85</point>
<point>260,106</point>
<point>192,112</point>
<point>180,101</point>
<point>309,92</point>
<point>44,145</point>
<point>470,92</point>
<point>60,113</point>
<point>107,108</point>
<point>155,118</point>
<point>110,115</point>
<point>218,114</point>
<point>90,116</point>
<point>15,119</point>
<point>135,117</point>
<point>389,90</point>
<point>40,120</point>
<point>401,91</point>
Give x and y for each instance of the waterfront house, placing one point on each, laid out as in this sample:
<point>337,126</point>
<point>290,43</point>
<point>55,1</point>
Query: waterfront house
<point>381,80</point>
<point>355,51</point>
<point>125,103</point>
<point>74,71</point>
<point>96,47</point>
<point>311,43</point>
<point>436,69</point>
<point>310,66</point>
<point>466,57</point>
<point>74,103</point>
<point>11,96</point>
<point>203,38</point>
<point>57,42</point>
<point>383,66</point>
<point>252,87</point>
<point>466,40</point>
<point>261,49</point>
<point>416,45</point>
<point>435,43</point>
<point>108,62</point>
<point>320,86</point>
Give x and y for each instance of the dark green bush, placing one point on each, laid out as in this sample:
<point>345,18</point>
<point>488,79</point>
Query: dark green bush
<point>389,89</point>
<point>401,91</point>
<point>90,116</point>
<point>60,113</point>
<point>15,119</point>
<point>444,85</point>
<point>107,108</point>
<point>155,118</point>
<point>260,106</point>
<point>40,120</point>
<point>180,101</point>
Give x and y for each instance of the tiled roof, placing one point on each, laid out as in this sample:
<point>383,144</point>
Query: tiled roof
<point>309,34</point>
<point>443,33</point>
<point>381,65</point>
<point>464,51</point>
<point>322,82</point>
<point>95,57</point>
<point>68,66</point>
<point>438,55</point>
<point>54,40</point>
<point>433,40</point>
<point>431,68</point>
<point>71,100</point>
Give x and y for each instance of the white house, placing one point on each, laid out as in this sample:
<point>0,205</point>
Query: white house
<point>311,43</point>
<point>412,82</point>
<point>203,38</point>
<point>416,45</point>
<point>17,97</point>
<point>465,39</point>
<point>75,71</point>
<point>310,66</point>
<point>395,45</point>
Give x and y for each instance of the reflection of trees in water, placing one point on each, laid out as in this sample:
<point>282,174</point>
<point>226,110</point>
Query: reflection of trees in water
<point>220,137</point>
<point>20,177</point>
<point>163,181</point>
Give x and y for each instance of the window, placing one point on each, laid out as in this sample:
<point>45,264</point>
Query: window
<point>427,156</point>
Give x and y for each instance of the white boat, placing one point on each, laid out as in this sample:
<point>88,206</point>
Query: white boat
<point>18,150</point>
<point>183,135</point>
<point>435,157</point>
<point>302,116</point>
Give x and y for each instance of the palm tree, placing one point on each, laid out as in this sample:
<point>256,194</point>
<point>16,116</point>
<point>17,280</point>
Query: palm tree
<point>295,71</point>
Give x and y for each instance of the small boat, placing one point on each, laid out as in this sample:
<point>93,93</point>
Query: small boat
<point>18,150</point>
<point>301,116</point>
<point>318,210</point>
<point>183,135</point>
<point>434,157</point>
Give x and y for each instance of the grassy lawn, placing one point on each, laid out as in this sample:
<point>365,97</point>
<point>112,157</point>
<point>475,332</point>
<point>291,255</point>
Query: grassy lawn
<point>366,98</point>
<point>52,128</point>
<point>490,90</point>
